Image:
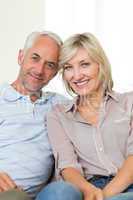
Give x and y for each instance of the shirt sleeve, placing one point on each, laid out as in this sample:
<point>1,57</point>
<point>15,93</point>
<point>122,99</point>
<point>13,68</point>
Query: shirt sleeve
<point>130,137</point>
<point>130,141</point>
<point>63,149</point>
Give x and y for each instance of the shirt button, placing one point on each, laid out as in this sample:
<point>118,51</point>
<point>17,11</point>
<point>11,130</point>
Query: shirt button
<point>100,148</point>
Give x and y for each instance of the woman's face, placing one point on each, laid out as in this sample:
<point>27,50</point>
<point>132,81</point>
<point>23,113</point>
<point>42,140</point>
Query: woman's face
<point>82,73</point>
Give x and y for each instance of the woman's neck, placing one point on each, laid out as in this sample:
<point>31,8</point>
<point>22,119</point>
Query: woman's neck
<point>92,100</point>
<point>89,107</point>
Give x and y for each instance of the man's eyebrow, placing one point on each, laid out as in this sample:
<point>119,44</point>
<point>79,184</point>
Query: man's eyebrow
<point>52,62</point>
<point>35,54</point>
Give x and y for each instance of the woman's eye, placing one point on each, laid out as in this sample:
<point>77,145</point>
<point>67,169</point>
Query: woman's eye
<point>67,68</point>
<point>86,64</point>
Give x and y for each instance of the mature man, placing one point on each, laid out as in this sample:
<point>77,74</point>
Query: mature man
<point>26,160</point>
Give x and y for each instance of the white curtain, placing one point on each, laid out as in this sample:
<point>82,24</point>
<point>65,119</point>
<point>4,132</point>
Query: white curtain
<point>109,20</point>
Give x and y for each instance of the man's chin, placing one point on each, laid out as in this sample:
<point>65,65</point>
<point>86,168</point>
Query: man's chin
<point>33,90</point>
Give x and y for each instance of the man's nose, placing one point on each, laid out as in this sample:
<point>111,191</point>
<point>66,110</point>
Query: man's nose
<point>40,68</point>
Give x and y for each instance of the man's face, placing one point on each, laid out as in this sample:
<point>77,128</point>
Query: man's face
<point>38,65</point>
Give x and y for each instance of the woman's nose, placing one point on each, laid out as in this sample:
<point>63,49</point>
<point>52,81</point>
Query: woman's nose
<point>77,74</point>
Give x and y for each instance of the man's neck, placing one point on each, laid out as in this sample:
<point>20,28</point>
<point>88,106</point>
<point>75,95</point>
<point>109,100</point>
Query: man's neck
<point>19,88</point>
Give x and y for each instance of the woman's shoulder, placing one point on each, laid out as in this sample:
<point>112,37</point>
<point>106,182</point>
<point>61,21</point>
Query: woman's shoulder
<point>61,108</point>
<point>125,99</point>
<point>120,96</point>
<point>127,96</point>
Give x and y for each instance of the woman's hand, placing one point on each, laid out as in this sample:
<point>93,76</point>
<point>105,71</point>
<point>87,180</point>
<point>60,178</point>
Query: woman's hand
<point>94,194</point>
<point>89,191</point>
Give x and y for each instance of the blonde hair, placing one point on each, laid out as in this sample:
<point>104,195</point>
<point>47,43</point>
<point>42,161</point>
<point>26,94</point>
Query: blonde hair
<point>89,42</point>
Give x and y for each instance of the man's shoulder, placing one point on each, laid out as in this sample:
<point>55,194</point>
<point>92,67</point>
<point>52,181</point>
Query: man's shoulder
<point>3,89</point>
<point>4,85</point>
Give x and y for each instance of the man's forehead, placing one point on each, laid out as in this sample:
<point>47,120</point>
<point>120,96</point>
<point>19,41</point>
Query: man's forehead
<point>43,45</point>
<point>45,39</point>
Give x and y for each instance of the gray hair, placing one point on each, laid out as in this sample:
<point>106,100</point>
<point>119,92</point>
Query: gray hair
<point>89,42</point>
<point>31,38</point>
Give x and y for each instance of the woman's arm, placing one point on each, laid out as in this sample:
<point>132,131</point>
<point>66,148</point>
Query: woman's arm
<point>67,165</point>
<point>122,180</point>
<point>89,191</point>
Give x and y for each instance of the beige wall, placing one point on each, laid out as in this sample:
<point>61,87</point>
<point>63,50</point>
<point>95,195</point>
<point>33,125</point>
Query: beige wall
<point>17,19</point>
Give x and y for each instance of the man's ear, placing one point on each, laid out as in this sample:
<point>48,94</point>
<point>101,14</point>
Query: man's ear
<point>20,56</point>
<point>55,73</point>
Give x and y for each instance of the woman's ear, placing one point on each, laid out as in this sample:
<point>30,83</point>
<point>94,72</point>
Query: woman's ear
<point>20,56</point>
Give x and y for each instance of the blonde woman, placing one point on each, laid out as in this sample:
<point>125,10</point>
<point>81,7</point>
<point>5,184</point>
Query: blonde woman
<point>92,135</point>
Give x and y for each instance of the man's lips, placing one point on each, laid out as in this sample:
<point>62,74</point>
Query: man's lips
<point>36,77</point>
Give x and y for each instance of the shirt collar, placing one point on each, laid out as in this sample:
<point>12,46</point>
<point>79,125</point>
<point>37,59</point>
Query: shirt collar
<point>8,93</point>
<point>112,95</point>
<point>11,95</point>
<point>72,105</point>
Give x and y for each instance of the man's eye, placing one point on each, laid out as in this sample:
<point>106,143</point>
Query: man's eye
<point>34,58</point>
<point>51,65</point>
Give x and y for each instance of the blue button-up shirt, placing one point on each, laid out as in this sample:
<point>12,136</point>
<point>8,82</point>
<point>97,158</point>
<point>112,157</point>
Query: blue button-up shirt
<point>25,152</point>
